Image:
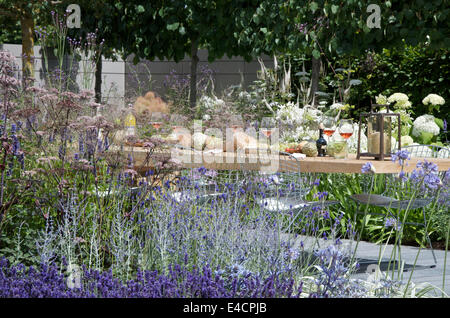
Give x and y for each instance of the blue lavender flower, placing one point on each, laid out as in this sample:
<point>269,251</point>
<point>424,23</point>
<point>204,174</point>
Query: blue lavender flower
<point>130,161</point>
<point>322,195</point>
<point>81,145</point>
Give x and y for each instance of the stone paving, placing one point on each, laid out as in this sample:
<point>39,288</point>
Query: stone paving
<point>425,273</point>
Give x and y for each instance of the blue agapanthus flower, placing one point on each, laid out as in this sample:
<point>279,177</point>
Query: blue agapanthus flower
<point>401,156</point>
<point>367,168</point>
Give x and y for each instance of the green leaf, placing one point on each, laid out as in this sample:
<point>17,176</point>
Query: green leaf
<point>439,122</point>
<point>140,9</point>
<point>173,26</point>
<point>355,82</point>
<point>316,53</point>
<point>425,138</point>
<point>334,9</point>
<point>313,6</point>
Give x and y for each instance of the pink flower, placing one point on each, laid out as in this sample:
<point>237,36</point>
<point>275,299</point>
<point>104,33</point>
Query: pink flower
<point>132,172</point>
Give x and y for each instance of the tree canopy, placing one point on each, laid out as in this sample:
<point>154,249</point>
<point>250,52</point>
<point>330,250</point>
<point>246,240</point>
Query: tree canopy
<point>247,28</point>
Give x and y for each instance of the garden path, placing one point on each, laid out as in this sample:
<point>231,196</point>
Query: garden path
<point>424,273</point>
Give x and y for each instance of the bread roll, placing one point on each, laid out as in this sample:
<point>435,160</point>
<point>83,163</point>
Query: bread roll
<point>213,143</point>
<point>184,140</point>
<point>199,140</point>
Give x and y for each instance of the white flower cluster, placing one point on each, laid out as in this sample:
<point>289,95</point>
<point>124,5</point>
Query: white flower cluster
<point>312,115</point>
<point>211,103</point>
<point>250,100</point>
<point>433,99</point>
<point>288,113</point>
<point>407,141</point>
<point>337,106</point>
<point>425,123</point>
<point>401,101</point>
<point>299,133</point>
<point>381,100</point>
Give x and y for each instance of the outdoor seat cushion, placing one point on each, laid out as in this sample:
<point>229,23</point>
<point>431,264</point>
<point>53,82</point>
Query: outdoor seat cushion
<point>184,196</point>
<point>372,199</point>
<point>384,201</point>
<point>285,204</point>
<point>274,204</point>
<point>405,204</point>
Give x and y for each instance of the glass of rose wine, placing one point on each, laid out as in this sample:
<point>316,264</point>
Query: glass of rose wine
<point>268,124</point>
<point>156,121</point>
<point>346,128</point>
<point>236,122</point>
<point>329,124</point>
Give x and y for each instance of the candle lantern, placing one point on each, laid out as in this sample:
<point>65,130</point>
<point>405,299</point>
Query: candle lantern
<point>379,133</point>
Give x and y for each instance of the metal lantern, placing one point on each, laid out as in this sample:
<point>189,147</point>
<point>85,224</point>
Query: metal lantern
<point>379,133</point>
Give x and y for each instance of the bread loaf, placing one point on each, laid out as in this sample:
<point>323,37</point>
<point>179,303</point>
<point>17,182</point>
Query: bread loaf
<point>240,141</point>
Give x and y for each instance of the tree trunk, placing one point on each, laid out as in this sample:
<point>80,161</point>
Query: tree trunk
<point>193,82</point>
<point>98,79</point>
<point>27,26</point>
<point>315,70</point>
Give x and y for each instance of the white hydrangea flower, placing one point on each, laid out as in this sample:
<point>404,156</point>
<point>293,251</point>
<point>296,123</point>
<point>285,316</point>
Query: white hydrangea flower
<point>425,123</point>
<point>407,141</point>
<point>401,101</point>
<point>397,97</point>
<point>381,100</point>
<point>433,99</point>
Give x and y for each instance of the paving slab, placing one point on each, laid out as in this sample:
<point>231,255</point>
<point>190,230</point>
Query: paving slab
<point>419,265</point>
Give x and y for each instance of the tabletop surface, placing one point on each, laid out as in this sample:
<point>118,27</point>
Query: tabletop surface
<point>254,160</point>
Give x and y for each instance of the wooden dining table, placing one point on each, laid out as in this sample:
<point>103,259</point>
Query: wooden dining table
<point>255,160</point>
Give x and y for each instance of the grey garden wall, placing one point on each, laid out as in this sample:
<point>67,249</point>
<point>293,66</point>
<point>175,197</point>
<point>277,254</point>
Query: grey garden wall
<point>113,73</point>
<point>122,80</point>
<point>225,72</point>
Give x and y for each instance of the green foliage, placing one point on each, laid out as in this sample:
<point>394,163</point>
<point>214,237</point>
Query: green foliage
<point>11,32</point>
<point>415,71</point>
